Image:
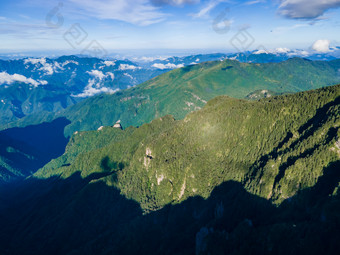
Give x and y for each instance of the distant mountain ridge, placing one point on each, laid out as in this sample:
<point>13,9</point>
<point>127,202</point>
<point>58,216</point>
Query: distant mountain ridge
<point>36,85</point>
<point>187,89</point>
<point>256,56</point>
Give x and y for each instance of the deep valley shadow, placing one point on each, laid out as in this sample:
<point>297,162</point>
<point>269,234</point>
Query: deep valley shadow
<point>84,216</point>
<point>31,147</point>
<point>47,138</point>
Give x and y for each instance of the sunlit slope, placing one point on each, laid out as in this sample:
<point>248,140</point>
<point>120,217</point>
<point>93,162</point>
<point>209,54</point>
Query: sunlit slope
<point>274,147</point>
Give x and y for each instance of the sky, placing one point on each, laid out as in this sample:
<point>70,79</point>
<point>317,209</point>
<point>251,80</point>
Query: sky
<point>166,26</point>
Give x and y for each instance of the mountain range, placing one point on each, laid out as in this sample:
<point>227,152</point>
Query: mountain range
<point>225,156</point>
<point>39,85</point>
<point>235,177</point>
<point>187,89</point>
<point>35,85</point>
<point>176,92</point>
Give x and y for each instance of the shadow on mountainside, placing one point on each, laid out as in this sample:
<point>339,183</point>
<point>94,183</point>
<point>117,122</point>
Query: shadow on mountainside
<point>321,116</point>
<point>32,147</point>
<point>85,216</point>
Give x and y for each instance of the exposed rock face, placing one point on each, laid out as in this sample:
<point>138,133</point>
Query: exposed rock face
<point>337,144</point>
<point>148,153</point>
<point>147,158</point>
<point>337,147</point>
<point>118,125</point>
<point>182,189</point>
<point>160,178</point>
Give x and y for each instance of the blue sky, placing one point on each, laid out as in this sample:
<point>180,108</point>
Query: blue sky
<point>165,25</point>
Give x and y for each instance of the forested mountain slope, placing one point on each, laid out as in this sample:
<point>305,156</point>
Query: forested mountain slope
<point>236,177</point>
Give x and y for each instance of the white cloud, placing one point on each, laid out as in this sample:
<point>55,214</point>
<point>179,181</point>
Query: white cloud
<point>304,53</point>
<point>6,78</point>
<point>48,68</point>
<point>275,51</point>
<point>124,67</point>
<point>128,75</point>
<point>289,52</point>
<point>321,46</point>
<point>204,12</point>
<point>94,85</point>
<point>94,88</point>
<point>138,12</point>
<point>167,66</point>
<point>174,2</point>
<point>306,9</point>
<point>110,63</point>
<point>112,76</point>
<point>150,59</point>
<point>69,62</point>
<point>289,28</point>
<point>299,53</point>
<point>282,50</point>
<point>260,52</point>
<point>35,61</point>
<point>254,2</point>
<point>97,74</point>
<point>91,91</point>
<point>224,24</point>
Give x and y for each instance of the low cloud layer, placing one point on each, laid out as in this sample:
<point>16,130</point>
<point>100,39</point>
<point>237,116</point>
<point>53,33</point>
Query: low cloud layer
<point>90,91</point>
<point>110,63</point>
<point>306,9</point>
<point>48,68</point>
<point>124,67</point>
<point>167,66</point>
<point>6,78</point>
<point>95,84</point>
